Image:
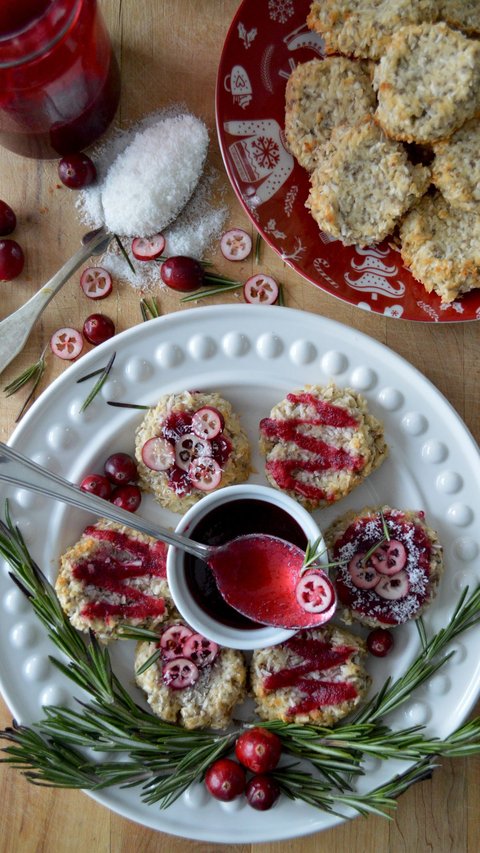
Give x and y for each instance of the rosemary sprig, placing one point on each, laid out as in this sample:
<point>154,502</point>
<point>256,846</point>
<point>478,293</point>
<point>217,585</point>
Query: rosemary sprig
<point>124,253</point>
<point>33,373</point>
<point>213,291</point>
<point>149,310</point>
<point>102,374</point>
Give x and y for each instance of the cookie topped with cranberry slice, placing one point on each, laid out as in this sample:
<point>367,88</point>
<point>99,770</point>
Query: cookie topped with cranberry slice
<point>189,444</point>
<point>190,680</point>
<point>388,563</point>
<point>316,677</point>
<point>320,443</point>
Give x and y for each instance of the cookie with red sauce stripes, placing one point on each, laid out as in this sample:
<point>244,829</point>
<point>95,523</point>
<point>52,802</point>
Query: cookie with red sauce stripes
<point>114,575</point>
<point>384,581</point>
<point>316,677</point>
<point>320,443</point>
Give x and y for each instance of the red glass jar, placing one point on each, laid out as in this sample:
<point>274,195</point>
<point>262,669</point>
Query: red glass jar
<point>59,79</point>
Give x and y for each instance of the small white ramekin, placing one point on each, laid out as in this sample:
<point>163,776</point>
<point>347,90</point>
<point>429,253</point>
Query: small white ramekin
<point>190,610</point>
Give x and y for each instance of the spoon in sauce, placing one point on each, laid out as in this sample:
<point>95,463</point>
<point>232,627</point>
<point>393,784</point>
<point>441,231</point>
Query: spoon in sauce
<point>257,574</point>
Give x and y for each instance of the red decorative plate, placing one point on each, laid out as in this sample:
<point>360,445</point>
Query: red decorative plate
<point>265,42</point>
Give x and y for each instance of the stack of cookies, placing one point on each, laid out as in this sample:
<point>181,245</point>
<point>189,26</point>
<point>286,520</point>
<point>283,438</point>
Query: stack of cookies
<point>389,127</point>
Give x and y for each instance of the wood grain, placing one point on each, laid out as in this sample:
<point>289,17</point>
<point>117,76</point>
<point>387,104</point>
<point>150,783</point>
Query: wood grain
<point>169,52</point>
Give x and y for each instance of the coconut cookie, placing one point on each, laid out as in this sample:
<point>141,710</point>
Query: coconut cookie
<point>390,584</point>
<point>428,83</point>
<point>114,576</point>
<point>463,14</point>
<point>189,444</point>
<point>315,677</point>
<point>441,246</point>
<point>320,95</point>
<point>364,28</point>
<point>456,167</point>
<point>193,682</point>
<point>363,185</point>
<point>319,443</point>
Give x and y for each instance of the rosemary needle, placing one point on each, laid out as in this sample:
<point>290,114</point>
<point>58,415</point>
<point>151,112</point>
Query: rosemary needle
<point>102,374</point>
<point>149,310</point>
<point>124,253</point>
<point>33,373</point>
<point>212,291</point>
<point>258,247</point>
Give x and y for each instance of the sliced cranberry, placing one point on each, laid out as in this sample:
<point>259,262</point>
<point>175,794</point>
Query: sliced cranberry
<point>12,260</point>
<point>225,779</point>
<point>120,468</point>
<point>363,576</point>
<point>205,474</point>
<point>258,749</point>
<point>173,640</point>
<point>262,792</point>
<point>202,651</point>
<point>127,497</point>
<point>379,642</point>
<point>236,244</point>
<point>96,282</point>
<point>182,273</point>
<point>315,592</point>
<point>98,328</point>
<point>390,558</point>
<point>66,343</point>
<point>207,422</point>
<point>96,484</point>
<point>77,171</point>
<point>179,673</point>
<point>260,290</point>
<point>158,454</point>
<point>8,220</point>
<point>148,248</point>
<point>393,587</point>
<point>190,447</point>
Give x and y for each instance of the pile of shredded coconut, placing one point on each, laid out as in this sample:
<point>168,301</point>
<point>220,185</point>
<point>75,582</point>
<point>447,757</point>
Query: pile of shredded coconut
<point>148,176</point>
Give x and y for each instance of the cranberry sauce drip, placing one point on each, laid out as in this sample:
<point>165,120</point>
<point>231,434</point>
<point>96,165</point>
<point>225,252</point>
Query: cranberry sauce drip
<point>326,456</point>
<point>318,656</point>
<point>174,427</point>
<point>360,537</point>
<point>222,524</point>
<point>122,559</point>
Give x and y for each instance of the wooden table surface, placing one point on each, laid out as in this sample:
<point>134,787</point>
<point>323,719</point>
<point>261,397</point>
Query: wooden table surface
<point>169,52</point>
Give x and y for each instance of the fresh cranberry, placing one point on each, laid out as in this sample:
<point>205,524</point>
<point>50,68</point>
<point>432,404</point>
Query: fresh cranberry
<point>120,468</point>
<point>379,642</point>
<point>98,328</point>
<point>258,749</point>
<point>127,497</point>
<point>182,273</point>
<point>12,260</point>
<point>225,779</point>
<point>77,171</point>
<point>96,484</point>
<point>8,220</point>
<point>262,792</point>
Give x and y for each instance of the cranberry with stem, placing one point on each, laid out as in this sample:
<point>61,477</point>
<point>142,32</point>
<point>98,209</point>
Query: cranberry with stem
<point>120,469</point>
<point>258,749</point>
<point>12,260</point>
<point>182,273</point>
<point>8,220</point>
<point>98,328</point>
<point>262,792</point>
<point>225,779</point>
<point>77,171</point>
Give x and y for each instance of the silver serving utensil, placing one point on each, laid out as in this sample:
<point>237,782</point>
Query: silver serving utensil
<point>15,329</point>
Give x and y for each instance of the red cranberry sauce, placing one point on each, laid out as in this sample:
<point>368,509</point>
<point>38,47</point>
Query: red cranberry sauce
<point>222,524</point>
<point>121,559</point>
<point>173,428</point>
<point>360,537</point>
<point>326,456</point>
<point>317,656</point>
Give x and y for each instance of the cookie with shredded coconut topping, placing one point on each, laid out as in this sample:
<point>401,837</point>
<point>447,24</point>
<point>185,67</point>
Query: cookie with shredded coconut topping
<point>463,14</point>
<point>384,580</point>
<point>316,677</point>
<point>428,83</point>
<point>456,167</point>
<point>363,28</point>
<point>363,185</point>
<point>320,443</point>
<point>320,95</point>
<point>441,247</point>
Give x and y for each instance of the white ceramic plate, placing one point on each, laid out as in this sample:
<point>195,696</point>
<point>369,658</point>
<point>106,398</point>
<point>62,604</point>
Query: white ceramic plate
<point>253,356</point>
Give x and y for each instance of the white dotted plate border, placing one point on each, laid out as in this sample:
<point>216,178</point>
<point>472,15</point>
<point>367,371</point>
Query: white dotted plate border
<point>253,356</point>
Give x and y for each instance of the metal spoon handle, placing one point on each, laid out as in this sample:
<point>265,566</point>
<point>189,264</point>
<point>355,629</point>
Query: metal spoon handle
<point>15,329</point>
<point>21,471</point>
